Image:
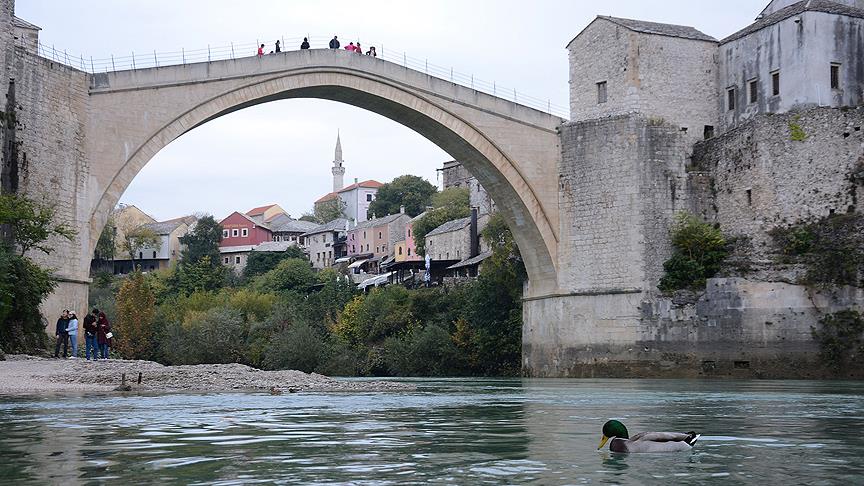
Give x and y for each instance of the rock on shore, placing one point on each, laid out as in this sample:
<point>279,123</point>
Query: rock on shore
<point>25,374</point>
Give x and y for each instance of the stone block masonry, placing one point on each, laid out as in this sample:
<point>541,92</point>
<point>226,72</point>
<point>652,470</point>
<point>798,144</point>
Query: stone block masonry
<point>765,176</point>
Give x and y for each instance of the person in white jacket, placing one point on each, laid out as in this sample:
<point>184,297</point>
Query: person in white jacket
<point>72,330</point>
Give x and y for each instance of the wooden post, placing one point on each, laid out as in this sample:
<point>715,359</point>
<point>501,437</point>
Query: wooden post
<point>123,379</point>
<point>139,377</point>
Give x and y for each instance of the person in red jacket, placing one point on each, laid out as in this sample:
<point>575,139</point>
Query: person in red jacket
<point>103,335</point>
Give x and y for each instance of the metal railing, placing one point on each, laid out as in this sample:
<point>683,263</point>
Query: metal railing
<point>142,60</point>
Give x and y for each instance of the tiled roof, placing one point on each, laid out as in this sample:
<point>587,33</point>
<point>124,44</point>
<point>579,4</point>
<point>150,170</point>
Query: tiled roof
<point>259,210</point>
<point>335,225</point>
<point>669,30</point>
<point>372,223</point>
<point>449,226</point>
<point>825,6</point>
<point>235,249</point>
<point>273,246</point>
<point>326,197</point>
<point>164,227</point>
<point>373,184</point>
<point>285,223</point>
<point>19,22</point>
<point>471,261</point>
<point>245,216</point>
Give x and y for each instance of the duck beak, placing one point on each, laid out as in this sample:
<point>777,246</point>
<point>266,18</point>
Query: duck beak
<point>602,442</point>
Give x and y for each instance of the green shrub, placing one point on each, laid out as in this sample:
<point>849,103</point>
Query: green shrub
<point>840,339</point>
<point>23,286</point>
<point>299,347</point>
<point>698,251</point>
<point>427,351</point>
<point>341,358</point>
<point>832,249</point>
<point>292,274</point>
<point>136,306</point>
<point>214,336</point>
<point>260,262</point>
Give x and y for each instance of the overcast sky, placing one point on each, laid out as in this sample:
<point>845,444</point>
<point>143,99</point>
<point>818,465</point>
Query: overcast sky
<point>281,152</point>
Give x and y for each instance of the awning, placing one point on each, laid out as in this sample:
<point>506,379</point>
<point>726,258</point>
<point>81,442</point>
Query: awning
<point>375,281</point>
<point>342,260</point>
<point>357,263</point>
<point>471,261</point>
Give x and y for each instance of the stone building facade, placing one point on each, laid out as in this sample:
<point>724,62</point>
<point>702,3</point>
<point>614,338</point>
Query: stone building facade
<point>455,174</point>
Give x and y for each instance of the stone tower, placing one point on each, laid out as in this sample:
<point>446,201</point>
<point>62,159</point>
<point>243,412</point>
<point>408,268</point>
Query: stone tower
<point>338,170</point>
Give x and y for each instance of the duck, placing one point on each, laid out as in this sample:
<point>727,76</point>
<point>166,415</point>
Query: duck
<point>645,441</point>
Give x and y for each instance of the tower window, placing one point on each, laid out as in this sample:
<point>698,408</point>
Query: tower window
<point>835,76</point>
<point>708,131</point>
<point>775,83</point>
<point>754,86</point>
<point>601,92</point>
<point>368,197</point>
<point>730,99</point>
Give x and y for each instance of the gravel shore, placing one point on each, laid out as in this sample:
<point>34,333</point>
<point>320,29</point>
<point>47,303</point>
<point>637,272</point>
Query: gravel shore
<point>30,375</point>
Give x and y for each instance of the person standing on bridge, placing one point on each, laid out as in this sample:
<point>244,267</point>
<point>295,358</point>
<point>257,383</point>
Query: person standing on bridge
<point>261,51</point>
<point>305,44</point>
<point>278,47</point>
<point>334,43</point>
<point>371,52</point>
<point>350,47</point>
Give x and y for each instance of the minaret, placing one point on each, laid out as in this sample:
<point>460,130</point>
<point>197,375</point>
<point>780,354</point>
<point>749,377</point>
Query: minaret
<point>338,170</point>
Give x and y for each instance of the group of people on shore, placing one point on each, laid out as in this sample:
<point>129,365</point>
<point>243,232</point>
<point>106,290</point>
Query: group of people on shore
<point>97,335</point>
<point>334,44</point>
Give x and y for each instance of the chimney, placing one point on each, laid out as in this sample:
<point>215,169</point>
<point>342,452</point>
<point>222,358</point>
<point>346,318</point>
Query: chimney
<point>475,242</point>
<point>402,209</point>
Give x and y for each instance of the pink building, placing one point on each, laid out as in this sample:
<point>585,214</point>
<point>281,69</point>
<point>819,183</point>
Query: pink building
<point>377,236</point>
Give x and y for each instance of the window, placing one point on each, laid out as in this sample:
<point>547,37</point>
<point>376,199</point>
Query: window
<point>224,233</point>
<point>226,260</point>
<point>376,250</point>
<point>749,197</point>
<point>400,250</point>
<point>367,246</point>
<point>236,259</point>
<point>601,92</point>
<point>409,251</point>
<point>754,90</point>
<point>708,132</point>
<point>140,255</point>
<point>730,99</point>
<point>234,232</point>
<point>154,254</point>
<point>368,197</point>
<point>245,232</point>
<point>775,83</point>
<point>409,232</point>
<point>364,234</point>
<point>379,234</point>
<point>319,257</point>
<point>835,76</point>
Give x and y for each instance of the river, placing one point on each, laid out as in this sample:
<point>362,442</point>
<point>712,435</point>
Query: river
<point>459,431</point>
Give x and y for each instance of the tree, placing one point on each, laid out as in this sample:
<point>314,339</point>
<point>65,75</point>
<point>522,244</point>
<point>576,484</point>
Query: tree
<point>29,225</point>
<point>698,250</point>
<point>329,210</point>
<point>201,275</point>
<point>292,274</point>
<point>136,307</point>
<point>309,217</point>
<point>137,239</point>
<point>449,204</point>
<point>107,246</point>
<point>413,192</point>
<point>202,241</point>
<point>261,262</point>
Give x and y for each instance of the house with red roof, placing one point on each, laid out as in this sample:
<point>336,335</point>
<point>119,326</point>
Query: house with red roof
<point>266,213</point>
<point>355,198</point>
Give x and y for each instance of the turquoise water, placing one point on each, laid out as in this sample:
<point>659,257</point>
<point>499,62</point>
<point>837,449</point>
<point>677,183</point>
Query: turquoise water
<point>447,431</point>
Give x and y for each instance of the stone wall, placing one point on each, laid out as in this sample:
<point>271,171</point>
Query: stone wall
<point>760,178</point>
<point>53,167</point>
<point>737,328</point>
<point>659,76</point>
<point>621,179</point>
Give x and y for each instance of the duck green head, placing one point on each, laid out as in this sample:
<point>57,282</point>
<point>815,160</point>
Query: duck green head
<point>613,428</point>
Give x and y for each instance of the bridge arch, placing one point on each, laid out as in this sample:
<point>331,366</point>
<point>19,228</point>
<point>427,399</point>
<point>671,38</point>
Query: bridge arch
<point>457,127</point>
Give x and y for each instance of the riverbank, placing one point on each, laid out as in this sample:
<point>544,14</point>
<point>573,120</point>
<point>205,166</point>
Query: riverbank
<point>21,374</point>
